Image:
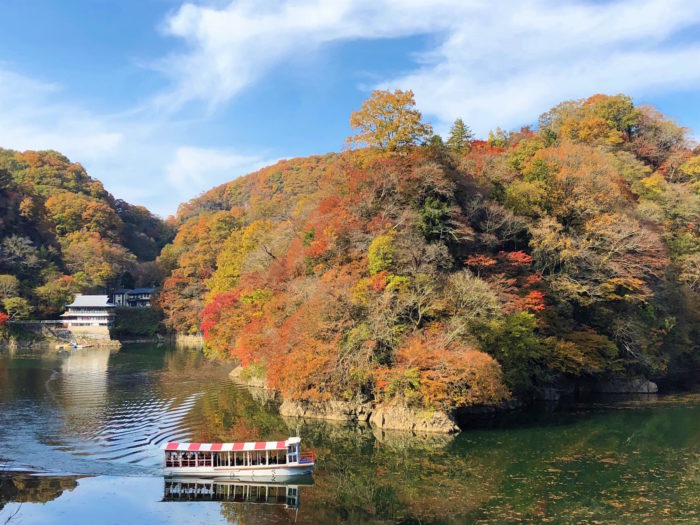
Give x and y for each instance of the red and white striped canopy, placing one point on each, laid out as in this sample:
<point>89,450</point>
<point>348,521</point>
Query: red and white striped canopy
<point>226,447</point>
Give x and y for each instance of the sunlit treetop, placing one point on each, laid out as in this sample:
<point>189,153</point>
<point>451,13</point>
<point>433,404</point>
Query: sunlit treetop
<point>389,121</point>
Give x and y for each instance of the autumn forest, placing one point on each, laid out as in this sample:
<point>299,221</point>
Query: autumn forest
<point>438,272</point>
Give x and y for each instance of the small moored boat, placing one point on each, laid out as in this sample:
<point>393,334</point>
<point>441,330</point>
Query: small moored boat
<point>272,460</point>
<point>72,346</point>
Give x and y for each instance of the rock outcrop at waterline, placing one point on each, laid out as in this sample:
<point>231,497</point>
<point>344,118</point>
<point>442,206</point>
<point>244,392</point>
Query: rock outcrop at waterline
<point>394,416</point>
<point>401,417</point>
<point>331,410</point>
<point>635,385</point>
<point>239,376</point>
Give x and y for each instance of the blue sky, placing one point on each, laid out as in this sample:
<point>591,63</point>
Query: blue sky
<point>162,99</point>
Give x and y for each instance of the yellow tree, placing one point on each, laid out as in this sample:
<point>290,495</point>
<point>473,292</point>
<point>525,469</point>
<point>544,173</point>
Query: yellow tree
<point>389,121</point>
<point>233,254</point>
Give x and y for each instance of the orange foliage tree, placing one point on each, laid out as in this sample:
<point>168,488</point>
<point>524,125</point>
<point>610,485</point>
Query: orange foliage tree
<point>449,280</point>
<point>442,376</point>
<point>389,121</point>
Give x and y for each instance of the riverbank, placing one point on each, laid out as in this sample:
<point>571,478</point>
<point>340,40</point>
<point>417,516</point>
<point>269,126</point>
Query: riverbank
<point>40,335</point>
<point>44,345</point>
<point>382,416</point>
<point>396,416</point>
<point>188,341</point>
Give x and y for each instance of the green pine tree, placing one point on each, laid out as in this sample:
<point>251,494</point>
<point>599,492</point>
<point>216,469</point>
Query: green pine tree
<point>460,136</point>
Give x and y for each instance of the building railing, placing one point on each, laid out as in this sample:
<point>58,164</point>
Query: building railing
<point>49,321</point>
<point>100,311</point>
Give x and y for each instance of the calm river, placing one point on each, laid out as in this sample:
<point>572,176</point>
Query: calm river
<point>79,437</point>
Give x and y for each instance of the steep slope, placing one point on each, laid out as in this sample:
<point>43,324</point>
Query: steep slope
<point>445,277</point>
<point>61,233</point>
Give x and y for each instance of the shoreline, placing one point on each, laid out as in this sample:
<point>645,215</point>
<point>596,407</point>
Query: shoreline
<point>395,416</point>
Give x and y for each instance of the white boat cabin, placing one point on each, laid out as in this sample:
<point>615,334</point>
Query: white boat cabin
<point>276,458</point>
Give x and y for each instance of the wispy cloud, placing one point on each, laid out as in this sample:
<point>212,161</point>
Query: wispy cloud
<point>492,63</point>
<point>231,47</point>
<point>137,154</point>
<point>32,116</point>
<point>194,169</point>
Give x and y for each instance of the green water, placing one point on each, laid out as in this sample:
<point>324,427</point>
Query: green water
<point>79,437</point>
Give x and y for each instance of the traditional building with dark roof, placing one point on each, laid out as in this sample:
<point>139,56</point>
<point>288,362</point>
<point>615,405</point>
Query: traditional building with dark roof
<point>134,298</point>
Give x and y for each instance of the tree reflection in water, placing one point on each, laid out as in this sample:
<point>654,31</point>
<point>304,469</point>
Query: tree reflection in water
<point>83,390</point>
<point>23,487</point>
<point>603,463</point>
<point>608,462</point>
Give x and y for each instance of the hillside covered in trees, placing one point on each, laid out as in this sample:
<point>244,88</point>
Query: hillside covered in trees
<point>450,273</point>
<point>62,233</point>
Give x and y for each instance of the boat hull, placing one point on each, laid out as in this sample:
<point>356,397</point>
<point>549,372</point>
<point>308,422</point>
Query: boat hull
<point>272,472</point>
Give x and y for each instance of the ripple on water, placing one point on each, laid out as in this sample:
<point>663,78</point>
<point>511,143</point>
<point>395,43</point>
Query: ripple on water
<point>94,418</point>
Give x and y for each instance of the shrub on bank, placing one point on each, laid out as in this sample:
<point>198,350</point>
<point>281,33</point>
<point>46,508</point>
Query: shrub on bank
<point>136,322</point>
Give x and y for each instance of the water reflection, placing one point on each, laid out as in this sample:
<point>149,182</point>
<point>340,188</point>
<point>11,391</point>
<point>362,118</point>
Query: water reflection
<point>105,415</point>
<point>190,489</point>
<point>95,411</point>
<point>23,487</point>
<point>614,463</point>
<point>83,389</point>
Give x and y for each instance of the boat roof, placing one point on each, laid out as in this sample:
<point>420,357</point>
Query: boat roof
<point>227,447</point>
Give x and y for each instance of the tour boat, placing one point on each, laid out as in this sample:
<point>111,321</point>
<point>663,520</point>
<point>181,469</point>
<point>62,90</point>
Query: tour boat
<point>273,460</point>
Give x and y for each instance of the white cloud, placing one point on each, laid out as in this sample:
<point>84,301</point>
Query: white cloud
<point>136,155</point>
<point>193,169</point>
<point>493,63</point>
<point>32,118</point>
<point>507,69</point>
<point>231,47</point>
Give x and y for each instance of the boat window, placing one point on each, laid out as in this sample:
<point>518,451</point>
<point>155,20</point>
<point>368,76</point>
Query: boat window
<point>187,459</point>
